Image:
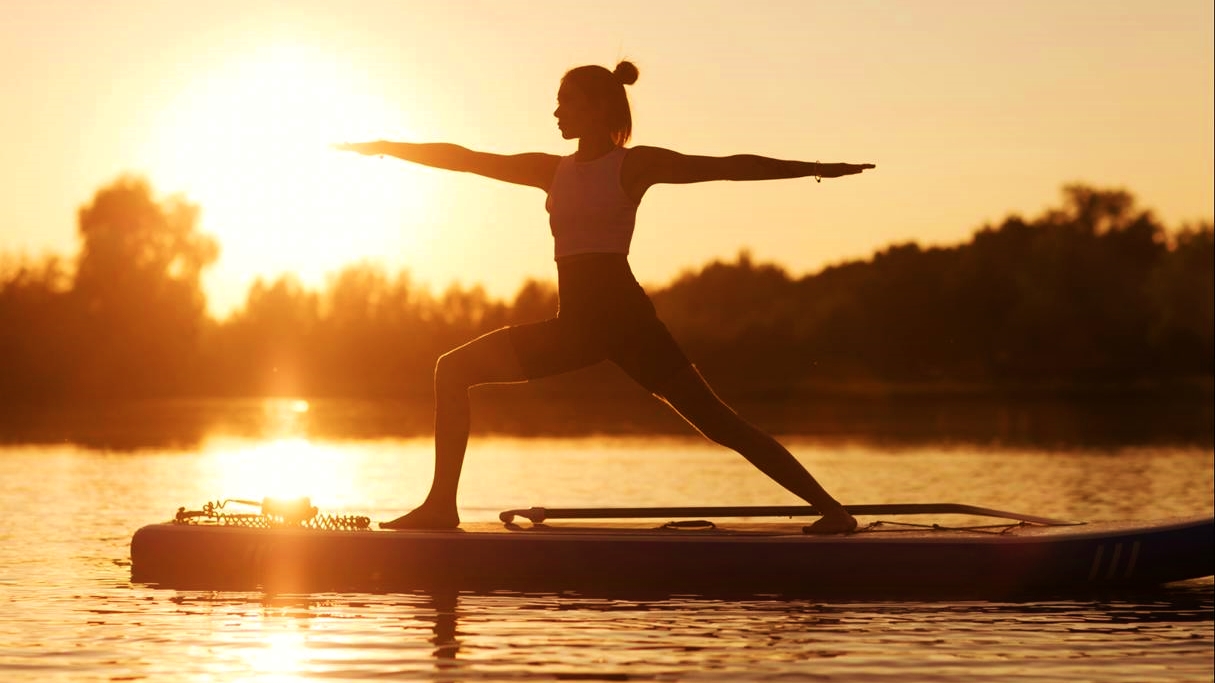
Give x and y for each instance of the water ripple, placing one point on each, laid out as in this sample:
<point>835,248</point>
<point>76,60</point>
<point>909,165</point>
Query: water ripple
<point>69,612</point>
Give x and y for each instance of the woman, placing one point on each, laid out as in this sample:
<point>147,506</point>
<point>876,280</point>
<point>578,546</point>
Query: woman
<point>604,314</point>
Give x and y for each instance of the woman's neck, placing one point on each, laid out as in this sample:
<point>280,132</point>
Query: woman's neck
<point>593,147</point>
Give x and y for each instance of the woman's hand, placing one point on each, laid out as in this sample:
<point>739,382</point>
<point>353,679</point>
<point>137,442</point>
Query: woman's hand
<point>369,148</point>
<point>839,170</point>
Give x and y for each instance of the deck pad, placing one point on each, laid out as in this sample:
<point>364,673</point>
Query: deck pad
<point>911,529</point>
<point>885,558</point>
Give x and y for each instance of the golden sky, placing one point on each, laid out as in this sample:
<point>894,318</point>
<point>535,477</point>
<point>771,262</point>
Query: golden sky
<point>971,111</point>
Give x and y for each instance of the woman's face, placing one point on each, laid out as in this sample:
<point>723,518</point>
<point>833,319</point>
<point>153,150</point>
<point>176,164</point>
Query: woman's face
<point>576,114</point>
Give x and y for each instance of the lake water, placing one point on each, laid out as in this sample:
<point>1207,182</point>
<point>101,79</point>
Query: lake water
<point>73,492</point>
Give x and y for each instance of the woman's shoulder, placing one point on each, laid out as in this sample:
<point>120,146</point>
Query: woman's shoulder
<point>644,157</point>
<point>646,151</point>
<point>641,166</point>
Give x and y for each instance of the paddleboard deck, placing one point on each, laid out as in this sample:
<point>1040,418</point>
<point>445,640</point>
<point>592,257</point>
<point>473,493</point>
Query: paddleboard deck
<point>883,559</point>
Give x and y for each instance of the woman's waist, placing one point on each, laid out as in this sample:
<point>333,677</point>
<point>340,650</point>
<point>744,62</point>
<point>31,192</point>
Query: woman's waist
<point>596,278</point>
<point>585,266</point>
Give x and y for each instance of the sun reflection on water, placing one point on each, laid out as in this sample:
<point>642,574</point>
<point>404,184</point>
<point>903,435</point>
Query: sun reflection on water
<point>280,656</point>
<point>285,468</point>
<point>284,417</point>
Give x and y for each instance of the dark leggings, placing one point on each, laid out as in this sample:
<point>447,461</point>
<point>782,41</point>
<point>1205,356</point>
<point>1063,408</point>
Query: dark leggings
<point>604,314</point>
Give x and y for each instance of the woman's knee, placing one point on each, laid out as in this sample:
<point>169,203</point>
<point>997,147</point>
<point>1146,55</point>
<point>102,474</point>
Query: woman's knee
<point>725,427</point>
<point>450,373</point>
<point>709,415</point>
<point>488,359</point>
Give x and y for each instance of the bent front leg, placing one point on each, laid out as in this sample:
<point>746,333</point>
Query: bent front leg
<point>489,359</point>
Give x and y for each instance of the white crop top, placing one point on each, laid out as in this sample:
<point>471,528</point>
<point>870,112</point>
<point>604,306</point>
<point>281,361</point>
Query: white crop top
<point>588,210</point>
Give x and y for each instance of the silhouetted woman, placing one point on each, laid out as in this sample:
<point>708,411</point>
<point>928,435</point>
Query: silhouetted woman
<point>603,314</point>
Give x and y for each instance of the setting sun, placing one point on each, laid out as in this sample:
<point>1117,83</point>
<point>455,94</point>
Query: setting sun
<point>250,142</point>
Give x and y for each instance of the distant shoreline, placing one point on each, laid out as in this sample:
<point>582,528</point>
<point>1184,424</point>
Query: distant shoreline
<point>1090,302</point>
<point>901,419</point>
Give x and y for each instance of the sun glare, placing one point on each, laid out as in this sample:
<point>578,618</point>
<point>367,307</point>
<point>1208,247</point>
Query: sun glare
<point>280,653</point>
<point>285,469</point>
<point>250,142</point>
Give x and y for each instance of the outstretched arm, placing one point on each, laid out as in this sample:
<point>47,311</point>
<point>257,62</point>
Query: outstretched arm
<point>647,166</point>
<point>535,169</point>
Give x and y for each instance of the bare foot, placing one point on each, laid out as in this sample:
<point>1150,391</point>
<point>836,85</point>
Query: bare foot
<point>833,523</point>
<point>425,518</point>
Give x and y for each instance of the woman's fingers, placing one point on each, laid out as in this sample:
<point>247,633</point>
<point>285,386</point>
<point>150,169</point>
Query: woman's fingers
<point>360,147</point>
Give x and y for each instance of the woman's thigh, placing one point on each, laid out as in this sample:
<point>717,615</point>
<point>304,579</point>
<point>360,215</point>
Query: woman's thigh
<point>554,346</point>
<point>488,359</point>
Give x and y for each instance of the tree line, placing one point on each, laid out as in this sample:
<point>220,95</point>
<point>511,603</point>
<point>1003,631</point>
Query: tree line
<point>1091,296</point>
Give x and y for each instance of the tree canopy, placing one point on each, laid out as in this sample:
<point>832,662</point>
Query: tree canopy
<point>1095,293</point>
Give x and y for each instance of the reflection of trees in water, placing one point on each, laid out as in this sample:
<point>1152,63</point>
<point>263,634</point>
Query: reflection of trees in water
<point>524,411</point>
<point>1093,295</point>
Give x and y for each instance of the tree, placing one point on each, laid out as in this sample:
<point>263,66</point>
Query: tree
<point>33,315</point>
<point>136,292</point>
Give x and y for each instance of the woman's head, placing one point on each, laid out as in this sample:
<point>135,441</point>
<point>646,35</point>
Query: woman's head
<point>601,93</point>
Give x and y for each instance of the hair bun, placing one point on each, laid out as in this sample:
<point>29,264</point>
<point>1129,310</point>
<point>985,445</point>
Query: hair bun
<point>625,73</point>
